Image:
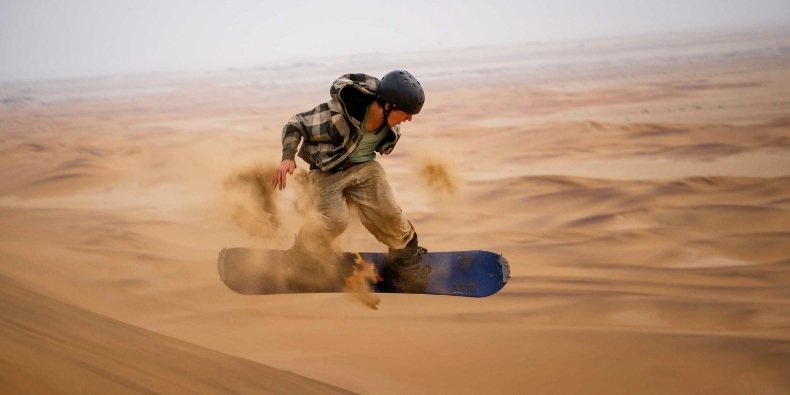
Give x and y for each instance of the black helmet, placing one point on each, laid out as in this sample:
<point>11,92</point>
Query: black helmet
<point>401,89</point>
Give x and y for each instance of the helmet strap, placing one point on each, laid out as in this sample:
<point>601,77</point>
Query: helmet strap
<point>386,113</point>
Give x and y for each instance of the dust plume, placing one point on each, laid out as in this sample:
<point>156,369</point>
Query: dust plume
<point>303,203</point>
<point>252,204</point>
<point>439,176</point>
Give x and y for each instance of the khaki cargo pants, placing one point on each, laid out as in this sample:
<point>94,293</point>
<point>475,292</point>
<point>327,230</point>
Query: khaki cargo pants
<point>366,186</point>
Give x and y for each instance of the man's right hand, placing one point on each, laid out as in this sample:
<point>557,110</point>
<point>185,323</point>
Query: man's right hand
<point>287,166</point>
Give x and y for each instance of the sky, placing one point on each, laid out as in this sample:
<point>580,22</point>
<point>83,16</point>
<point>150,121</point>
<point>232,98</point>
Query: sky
<point>57,39</point>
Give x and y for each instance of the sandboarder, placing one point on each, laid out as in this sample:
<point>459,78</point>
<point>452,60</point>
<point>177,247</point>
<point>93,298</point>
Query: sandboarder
<point>339,140</point>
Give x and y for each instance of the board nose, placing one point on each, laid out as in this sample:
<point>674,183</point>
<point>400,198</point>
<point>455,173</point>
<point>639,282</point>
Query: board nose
<point>505,269</point>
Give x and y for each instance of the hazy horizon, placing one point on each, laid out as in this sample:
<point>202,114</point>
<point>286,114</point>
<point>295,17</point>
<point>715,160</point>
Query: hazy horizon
<point>46,39</point>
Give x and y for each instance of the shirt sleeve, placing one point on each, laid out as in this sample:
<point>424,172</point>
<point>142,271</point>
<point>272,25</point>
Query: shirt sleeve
<point>292,136</point>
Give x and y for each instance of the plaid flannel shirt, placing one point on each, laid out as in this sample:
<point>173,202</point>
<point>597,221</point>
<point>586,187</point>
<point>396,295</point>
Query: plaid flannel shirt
<point>330,134</point>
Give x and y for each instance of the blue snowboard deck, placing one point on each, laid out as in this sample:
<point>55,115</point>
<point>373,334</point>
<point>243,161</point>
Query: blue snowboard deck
<point>460,273</point>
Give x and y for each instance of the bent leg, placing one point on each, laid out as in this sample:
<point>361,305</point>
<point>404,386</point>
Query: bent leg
<point>315,267</point>
<point>379,213</point>
<point>383,217</point>
<point>330,215</point>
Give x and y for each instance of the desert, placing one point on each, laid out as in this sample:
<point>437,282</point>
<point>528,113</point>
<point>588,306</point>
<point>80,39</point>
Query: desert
<point>639,188</point>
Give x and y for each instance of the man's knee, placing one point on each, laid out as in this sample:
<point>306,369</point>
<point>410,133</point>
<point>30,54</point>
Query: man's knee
<point>336,224</point>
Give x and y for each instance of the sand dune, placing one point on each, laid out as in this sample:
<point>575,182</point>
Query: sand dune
<point>51,347</point>
<point>640,189</point>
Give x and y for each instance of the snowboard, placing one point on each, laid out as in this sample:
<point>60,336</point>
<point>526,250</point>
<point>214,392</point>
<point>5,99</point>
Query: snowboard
<point>252,271</point>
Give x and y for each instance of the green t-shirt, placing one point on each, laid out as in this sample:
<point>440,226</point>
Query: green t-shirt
<point>366,150</point>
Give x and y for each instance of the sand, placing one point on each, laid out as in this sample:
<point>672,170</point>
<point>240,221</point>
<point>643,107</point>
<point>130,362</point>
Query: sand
<point>639,187</point>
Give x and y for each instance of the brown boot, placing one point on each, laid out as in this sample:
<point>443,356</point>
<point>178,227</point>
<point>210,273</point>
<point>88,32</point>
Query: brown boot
<point>408,273</point>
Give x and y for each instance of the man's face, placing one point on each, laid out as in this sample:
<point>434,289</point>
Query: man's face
<point>398,116</point>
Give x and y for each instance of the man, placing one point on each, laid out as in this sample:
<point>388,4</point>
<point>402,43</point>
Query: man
<point>340,139</point>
